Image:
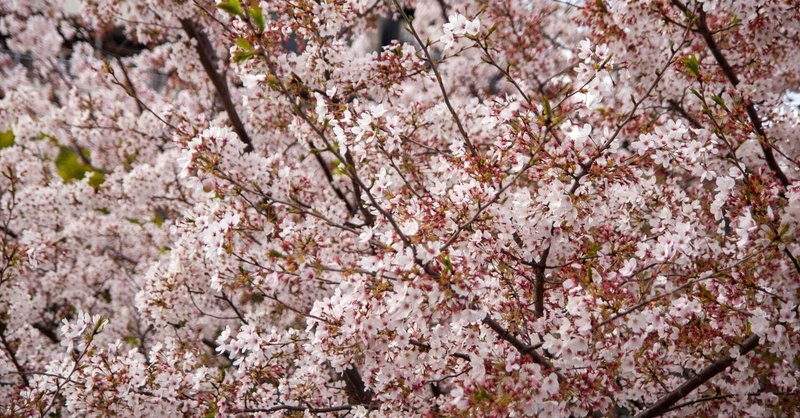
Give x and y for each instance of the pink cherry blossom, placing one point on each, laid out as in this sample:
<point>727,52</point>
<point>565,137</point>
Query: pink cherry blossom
<point>399,208</point>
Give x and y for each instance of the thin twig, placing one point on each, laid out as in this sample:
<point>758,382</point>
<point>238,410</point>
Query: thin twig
<point>432,63</point>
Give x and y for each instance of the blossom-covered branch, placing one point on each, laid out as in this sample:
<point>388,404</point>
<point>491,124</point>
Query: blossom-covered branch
<point>509,208</point>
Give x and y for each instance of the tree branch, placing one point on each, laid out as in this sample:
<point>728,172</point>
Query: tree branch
<point>539,272</point>
<point>206,52</point>
<point>132,89</point>
<point>665,402</point>
<point>436,73</point>
<point>523,348</point>
<point>47,331</point>
<point>12,354</point>
<point>355,387</point>
<point>677,108</point>
<point>730,74</point>
<point>427,347</point>
<point>298,408</point>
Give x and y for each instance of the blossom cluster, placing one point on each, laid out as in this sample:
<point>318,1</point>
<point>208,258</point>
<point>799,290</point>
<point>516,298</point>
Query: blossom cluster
<point>515,208</point>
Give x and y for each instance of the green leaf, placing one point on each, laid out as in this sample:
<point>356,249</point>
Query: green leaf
<point>70,167</point>
<point>718,100</point>
<point>692,65</point>
<point>97,179</point>
<point>134,221</point>
<point>258,17</point>
<point>245,51</point>
<point>241,56</point>
<point>594,248</point>
<point>482,395</point>
<point>547,110</point>
<point>231,6</point>
<point>448,265</point>
<point>244,44</point>
<point>158,218</point>
<point>6,139</point>
<point>42,136</point>
<point>600,5</point>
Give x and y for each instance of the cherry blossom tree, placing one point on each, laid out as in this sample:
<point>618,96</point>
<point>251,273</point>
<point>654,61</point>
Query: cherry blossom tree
<point>514,208</point>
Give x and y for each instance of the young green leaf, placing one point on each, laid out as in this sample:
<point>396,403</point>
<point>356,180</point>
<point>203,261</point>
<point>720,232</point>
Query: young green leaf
<point>231,6</point>
<point>6,139</point>
<point>692,65</point>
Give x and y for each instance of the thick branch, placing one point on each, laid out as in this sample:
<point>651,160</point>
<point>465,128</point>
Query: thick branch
<point>793,258</point>
<point>730,74</point>
<point>539,272</point>
<point>355,387</point>
<point>755,119</point>
<point>298,408</point>
<point>727,69</point>
<point>12,354</point>
<point>676,107</point>
<point>205,50</point>
<point>766,147</point>
<point>47,331</point>
<point>523,348</point>
<point>427,347</point>
<point>665,403</point>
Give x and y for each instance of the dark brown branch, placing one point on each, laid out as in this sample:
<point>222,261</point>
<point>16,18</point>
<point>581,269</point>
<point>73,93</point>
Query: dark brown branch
<point>523,348</point>
<point>12,354</point>
<point>351,208</point>
<point>438,76</point>
<point>793,258</point>
<point>82,155</point>
<point>109,43</point>
<point>329,176</point>
<point>298,408</point>
<point>667,401</point>
<point>213,346</point>
<point>142,104</point>
<point>206,52</point>
<point>47,331</point>
<point>369,218</point>
<point>131,88</point>
<point>356,390</point>
<point>766,147</point>
<point>730,74</point>
<point>427,347</point>
<point>677,108</point>
<point>697,401</point>
<point>233,306</point>
<point>727,69</point>
<point>8,232</point>
<point>539,272</point>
